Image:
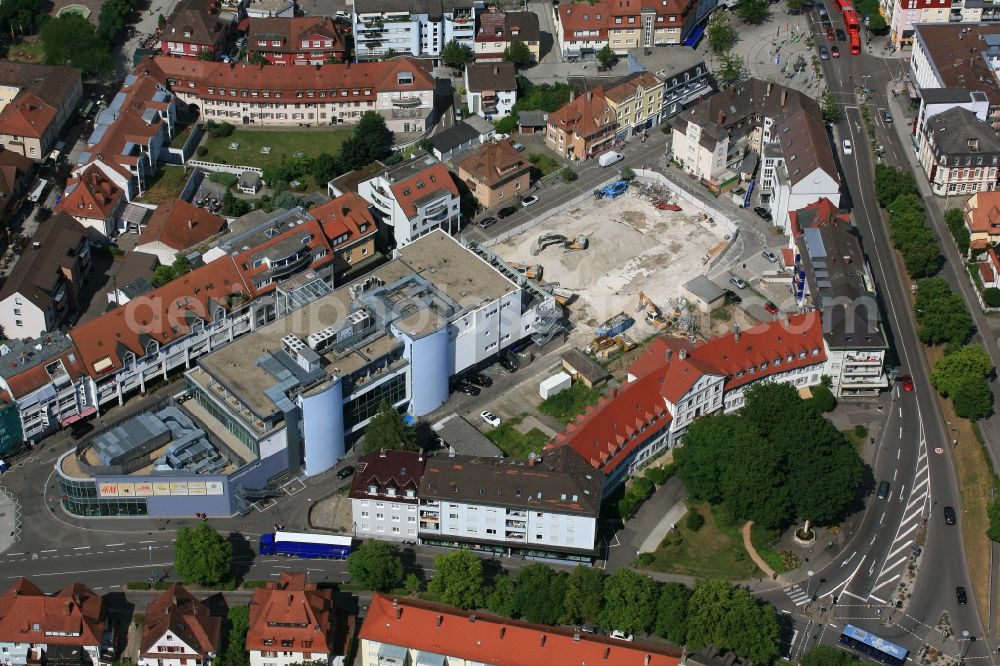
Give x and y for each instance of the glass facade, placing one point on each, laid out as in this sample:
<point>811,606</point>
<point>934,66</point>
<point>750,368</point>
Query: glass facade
<point>365,406</point>
<point>232,424</point>
<point>79,497</point>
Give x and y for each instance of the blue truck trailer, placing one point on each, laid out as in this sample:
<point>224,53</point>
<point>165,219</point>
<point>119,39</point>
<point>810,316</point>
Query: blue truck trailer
<point>300,544</point>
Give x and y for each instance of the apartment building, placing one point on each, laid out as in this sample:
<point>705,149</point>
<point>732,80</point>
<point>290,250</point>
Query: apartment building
<point>904,15</point>
<point>293,621</point>
<point>15,177</point>
<point>68,627</point>
<point>637,102</point>
<point>420,28</point>
<point>831,275</point>
<point>496,173</point>
<point>583,128</point>
<point>194,30</point>
<point>413,199</point>
<point>174,226</point>
<point>36,102</point>
<point>545,506</point>
<point>496,31</point>
<point>401,90</point>
<point>959,153</point>
<point>399,631</point>
<point>584,29</point>
<point>303,40</point>
<point>384,495</point>
<point>490,88</point>
<point>95,201</point>
<point>44,289</point>
<point>674,382</point>
<point>685,76</point>
<point>982,219</point>
<point>179,629</point>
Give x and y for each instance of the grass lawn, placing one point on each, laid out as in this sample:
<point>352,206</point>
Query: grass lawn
<point>166,185</point>
<point>762,540</point>
<point>714,550</point>
<point>27,51</point>
<point>546,164</point>
<point>284,145</point>
<point>513,442</point>
<point>566,405</point>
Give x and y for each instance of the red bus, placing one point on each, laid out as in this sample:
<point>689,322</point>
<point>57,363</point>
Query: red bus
<point>851,20</point>
<point>855,42</point>
<point>841,4</point>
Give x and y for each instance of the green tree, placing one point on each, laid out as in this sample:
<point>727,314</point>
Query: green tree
<point>568,175</point>
<point>202,555</point>
<point>827,655</point>
<point>822,399</point>
<point>258,58</point>
<point>237,625</point>
<point>973,398</point>
<point>161,21</point>
<point>720,33</point>
<point>371,140</point>
<point>941,313</point>
<point>584,595</point>
<point>518,53</point>
<point>539,593</point>
<point>458,579</point>
<point>326,167</point>
<point>957,364</point>
<point>500,600</point>
<point>795,6</point>
<point>753,12</point>
<point>233,207</point>
<point>205,55</point>
<point>164,274</point>
<point>829,107</point>
<point>627,174</point>
<point>71,40</point>
<point>456,55</point>
<point>413,583</point>
<point>731,619</point>
<point>731,70</point>
<point>388,431</point>
<point>672,610</point>
<point>376,565</point>
<point>390,54</point>
<point>630,601</point>
<point>606,56</point>
<point>955,220</point>
<point>890,182</point>
<point>694,521</point>
<point>112,19</point>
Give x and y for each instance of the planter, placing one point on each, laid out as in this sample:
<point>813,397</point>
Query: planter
<point>804,538</point>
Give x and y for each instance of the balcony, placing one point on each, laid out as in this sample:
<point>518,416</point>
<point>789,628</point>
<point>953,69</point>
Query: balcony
<point>407,102</point>
<point>863,359</point>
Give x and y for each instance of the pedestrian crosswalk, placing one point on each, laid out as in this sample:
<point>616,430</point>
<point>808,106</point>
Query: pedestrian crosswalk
<point>797,595</point>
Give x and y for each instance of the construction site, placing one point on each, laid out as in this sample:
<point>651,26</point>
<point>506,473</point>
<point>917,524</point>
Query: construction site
<point>623,251</point>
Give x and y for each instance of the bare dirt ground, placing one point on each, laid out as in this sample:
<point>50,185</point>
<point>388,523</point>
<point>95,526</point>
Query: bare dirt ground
<point>633,247</point>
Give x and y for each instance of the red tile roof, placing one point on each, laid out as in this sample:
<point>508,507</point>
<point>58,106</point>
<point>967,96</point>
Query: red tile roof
<point>982,213</point>
<point>291,32</point>
<point>178,611</point>
<point>347,214</point>
<point>630,86</point>
<point>180,225</point>
<point>27,116</point>
<point>575,17</point>
<point>36,376</point>
<point>606,434</point>
<point>433,179</point>
<point>308,234</point>
<point>488,639</point>
<point>163,315</point>
<point>586,115</point>
<point>193,23</point>
<point>27,615</point>
<point>94,195</point>
<point>291,610</point>
<point>816,214</point>
<point>494,163</point>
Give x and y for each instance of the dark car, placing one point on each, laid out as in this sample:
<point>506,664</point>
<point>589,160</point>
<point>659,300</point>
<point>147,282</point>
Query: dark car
<point>883,490</point>
<point>949,515</point>
<point>732,297</point>
<point>506,212</point>
<point>763,213</point>
<point>80,429</point>
<point>508,365</point>
<point>345,472</point>
<point>468,389</point>
<point>487,222</point>
<point>841,35</point>
<point>479,379</point>
<point>961,595</point>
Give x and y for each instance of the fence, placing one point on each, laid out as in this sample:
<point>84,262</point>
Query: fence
<point>236,169</point>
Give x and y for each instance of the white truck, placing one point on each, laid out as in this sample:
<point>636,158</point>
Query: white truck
<point>609,158</point>
<point>37,190</point>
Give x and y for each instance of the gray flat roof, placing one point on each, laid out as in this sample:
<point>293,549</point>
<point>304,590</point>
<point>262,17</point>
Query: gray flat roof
<point>705,289</point>
<point>464,438</point>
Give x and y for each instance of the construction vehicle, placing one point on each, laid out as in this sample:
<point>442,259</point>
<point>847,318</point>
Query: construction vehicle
<point>653,314</point>
<point>545,240</point>
<point>533,272</point>
<point>612,191</point>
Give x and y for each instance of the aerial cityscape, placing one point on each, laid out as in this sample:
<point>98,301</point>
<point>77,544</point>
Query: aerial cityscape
<point>485,332</point>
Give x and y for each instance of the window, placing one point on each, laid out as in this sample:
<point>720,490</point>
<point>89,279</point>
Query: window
<point>17,322</point>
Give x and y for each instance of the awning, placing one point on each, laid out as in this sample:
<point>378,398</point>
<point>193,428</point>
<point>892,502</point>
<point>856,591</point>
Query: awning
<point>695,36</point>
<point>76,417</point>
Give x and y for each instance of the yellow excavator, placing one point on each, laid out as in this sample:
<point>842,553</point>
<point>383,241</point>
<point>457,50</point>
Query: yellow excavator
<point>653,314</point>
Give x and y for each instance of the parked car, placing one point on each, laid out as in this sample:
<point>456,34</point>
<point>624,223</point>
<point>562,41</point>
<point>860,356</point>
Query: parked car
<point>479,379</point>
<point>737,282</point>
<point>508,364</point>
<point>468,389</point>
<point>763,213</point>
<point>770,256</point>
<point>949,516</point>
<point>824,54</point>
<point>486,222</point>
<point>830,34</point>
<point>519,147</point>
<point>501,136</point>
<point>841,35</point>
<point>345,472</point>
<point>848,147</point>
<point>622,635</point>
<point>771,307</point>
<point>506,212</point>
<point>883,490</point>
<point>732,297</point>
<point>529,201</point>
<point>961,595</point>
<point>886,116</point>
<point>491,418</point>
<point>834,51</point>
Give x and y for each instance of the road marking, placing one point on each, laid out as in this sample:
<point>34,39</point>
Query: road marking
<point>277,566</point>
<point>51,550</point>
<point>895,473</point>
<point>894,578</point>
<point>73,573</point>
<point>112,545</point>
<point>908,542</point>
<point>15,554</point>
<point>901,492</point>
<point>147,542</point>
<point>850,594</point>
<point>82,548</point>
<point>881,601</point>
<point>844,563</point>
<point>882,518</point>
<point>899,452</point>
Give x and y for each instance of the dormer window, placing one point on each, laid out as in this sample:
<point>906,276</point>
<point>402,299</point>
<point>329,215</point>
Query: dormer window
<point>372,489</point>
<point>410,494</point>
<point>391,492</point>
<point>152,347</point>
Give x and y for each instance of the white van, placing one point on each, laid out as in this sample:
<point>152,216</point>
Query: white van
<point>609,158</point>
<point>38,190</point>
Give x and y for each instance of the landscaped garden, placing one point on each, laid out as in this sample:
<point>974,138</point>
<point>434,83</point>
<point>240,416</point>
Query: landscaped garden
<point>513,442</point>
<point>713,549</point>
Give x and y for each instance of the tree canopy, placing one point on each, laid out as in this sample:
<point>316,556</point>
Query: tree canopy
<point>941,313</point>
<point>456,55</point>
<point>730,618</point>
<point>731,70</point>
<point>518,53</point>
<point>584,595</point>
<point>753,12</point>
<point>832,112</point>
<point>672,611</point>
<point>371,140</point>
<point>388,431</point>
<point>376,565</point>
<point>606,56</point>
<point>201,555</point>
<point>962,376</point>
<point>238,621</point>
<point>720,33</point>
<point>500,599</point>
<point>630,602</point>
<point>112,19</point>
<point>458,579</point>
<point>890,182</point>
<point>22,17</point>
<point>71,40</point>
<point>538,596</point>
<point>955,220</point>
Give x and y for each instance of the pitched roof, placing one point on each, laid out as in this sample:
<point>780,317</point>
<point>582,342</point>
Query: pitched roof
<point>982,212</point>
<point>507,27</point>
<point>40,270</point>
<point>27,116</point>
<point>182,614</point>
<point>607,433</point>
<point>303,233</point>
<point>347,214</point>
<point>27,615</point>
<point>291,32</point>
<point>180,225</point>
<point>193,23</point>
<point>489,76</point>
<point>585,115</point>
<point>409,192</point>
<point>291,610</point>
<point>959,131</point>
<point>488,639</point>
<point>163,315</point>
<point>24,366</point>
<point>575,17</point>
<point>42,89</point>
<point>91,195</point>
<point>400,470</point>
<point>494,163</point>
<point>628,87</point>
<point>816,214</point>
<point>14,169</point>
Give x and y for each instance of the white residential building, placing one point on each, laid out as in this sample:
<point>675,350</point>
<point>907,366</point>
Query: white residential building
<point>491,88</point>
<point>416,27</point>
<point>384,495</point>
<point>179,631</point>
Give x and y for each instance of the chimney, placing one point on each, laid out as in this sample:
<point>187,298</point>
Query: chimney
<point>69,608</point>
<point>381,453</point>
<point>496,71</point>
<point>721,118</point>
<point>683,353</point>
<point>440,619</point>
<point>736,332</point>
<point>472,619</point>
<point>503,632</point>
<point>190,224</point>
<point>542,643</point>
<point>590,96</point>
<point>399,611</point>
<point>645,661</point>
<point>576,635</point>
<point>784,95</point>
<point>670,352</point>
<point>291,597</point>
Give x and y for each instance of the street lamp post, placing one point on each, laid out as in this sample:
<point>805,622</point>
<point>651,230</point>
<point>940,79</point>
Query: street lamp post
<point>965,649</point>
<point>809,582</point>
